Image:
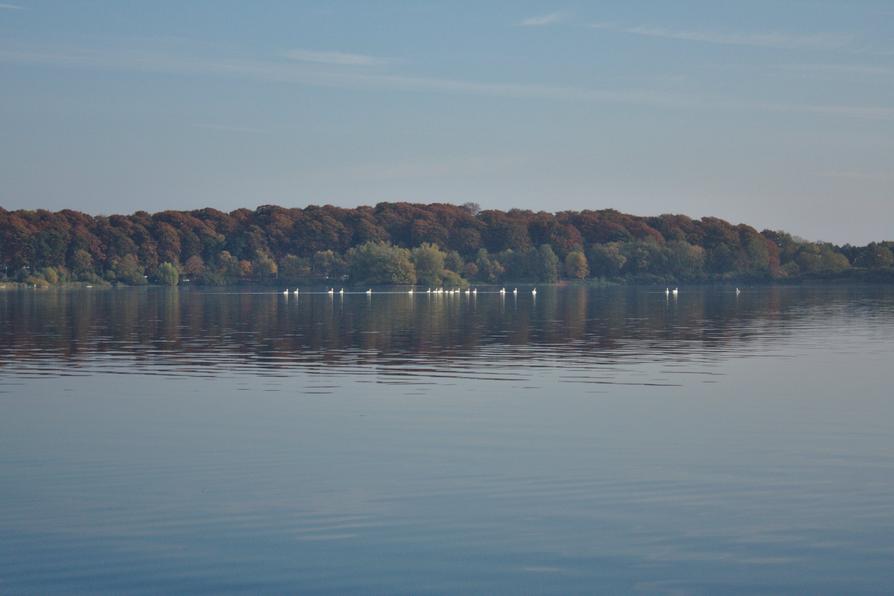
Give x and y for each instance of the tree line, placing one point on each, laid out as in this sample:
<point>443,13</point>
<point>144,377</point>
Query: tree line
<point>406,243</point>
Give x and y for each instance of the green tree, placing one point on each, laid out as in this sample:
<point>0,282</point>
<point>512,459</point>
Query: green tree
<point>832,260</point>
<point>545,264</point>
<point>82,262</point>
<point>723,258</point>
<point>685,260</point>
<point>490,269</point>
<point>809,259</point>
<point>128,270</point>
<point>167,274</point>
<point>51,275</point>
<point>429,262</point>
<point>821,257</point>
<point>452,279</point>
<point>227,266</point>
<point>516,264</point>
<point>606,260</point>
<point>380,263</point>
<point>293,269</point>
<point>875,255</point>
<point>576,266</point>
<point>758,255</point>
<point>265,267</point>
<point>327,264</point>
<point>454,261</point>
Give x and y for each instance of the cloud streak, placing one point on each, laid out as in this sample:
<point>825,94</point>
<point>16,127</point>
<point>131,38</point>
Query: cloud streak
<point>314,75</point>
<point>552,18</point>
<point>334,58</point>
<point>848,69</point>
<point>287,72</point>
<point>775,40</point>
<point>438,168</point>
<point>858,175</point>
<point>4,6</point>
<point>228,128</point>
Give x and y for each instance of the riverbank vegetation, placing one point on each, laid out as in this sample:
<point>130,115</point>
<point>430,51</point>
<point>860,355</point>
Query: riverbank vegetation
<point>403,243</point>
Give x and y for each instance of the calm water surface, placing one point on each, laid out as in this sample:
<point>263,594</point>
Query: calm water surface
<point>589,440</point>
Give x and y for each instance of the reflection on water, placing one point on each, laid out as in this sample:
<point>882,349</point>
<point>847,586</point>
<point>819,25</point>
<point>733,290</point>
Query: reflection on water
<point>615,438</point>
<point>594,332</point>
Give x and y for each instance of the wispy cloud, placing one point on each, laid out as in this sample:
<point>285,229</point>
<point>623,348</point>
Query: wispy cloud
<point>228,128</point>
<point>334,58</point>
<point>860,175</point>
<point>4,6</point>
<point>289,72</point>
<point>437,168</point>
<point>296,73</point>
<point>778,40</point>
<point>552,18</point>
<point>853,69</point>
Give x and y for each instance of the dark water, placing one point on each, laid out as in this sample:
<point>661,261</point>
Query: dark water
<point>604,440</point>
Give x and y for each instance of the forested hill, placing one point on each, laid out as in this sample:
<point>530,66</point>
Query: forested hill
<point>407,243</point>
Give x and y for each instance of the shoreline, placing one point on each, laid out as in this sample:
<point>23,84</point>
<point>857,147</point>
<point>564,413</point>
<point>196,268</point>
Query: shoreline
<point>853,278</point>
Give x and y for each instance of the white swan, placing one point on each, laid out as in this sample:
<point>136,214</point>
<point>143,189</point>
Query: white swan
<point>296,291</point>
<point>675,291</point>
<point>533,291</point>
<point>428,291</point>
<point>369,291</point>
<point>341,291</point>
<point>410,291</point>
<point>667,291</point>
<point>285,292</point>
<point>331,291</point>
<point>738,291</point>
<point>475,291</point>
<point>515,291</point>
<point>502,290</point>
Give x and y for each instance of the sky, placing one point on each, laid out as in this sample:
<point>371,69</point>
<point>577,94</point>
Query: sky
<point>778,114</point>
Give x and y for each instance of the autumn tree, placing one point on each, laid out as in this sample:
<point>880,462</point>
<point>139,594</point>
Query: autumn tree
<point>251,245</point>
<point>194,267</point>
<point>576,266</point>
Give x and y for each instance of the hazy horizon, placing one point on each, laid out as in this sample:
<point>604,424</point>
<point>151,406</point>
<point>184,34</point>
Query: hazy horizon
<point>778,117</point>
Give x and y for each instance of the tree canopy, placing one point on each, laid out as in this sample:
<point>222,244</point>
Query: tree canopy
<point>406,243</point>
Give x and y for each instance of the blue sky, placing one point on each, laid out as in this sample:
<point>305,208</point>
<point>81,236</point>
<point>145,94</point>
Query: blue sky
<point>777,114</point>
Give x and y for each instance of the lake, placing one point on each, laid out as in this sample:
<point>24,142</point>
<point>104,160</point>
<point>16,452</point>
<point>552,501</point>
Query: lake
<point>584,440</point>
